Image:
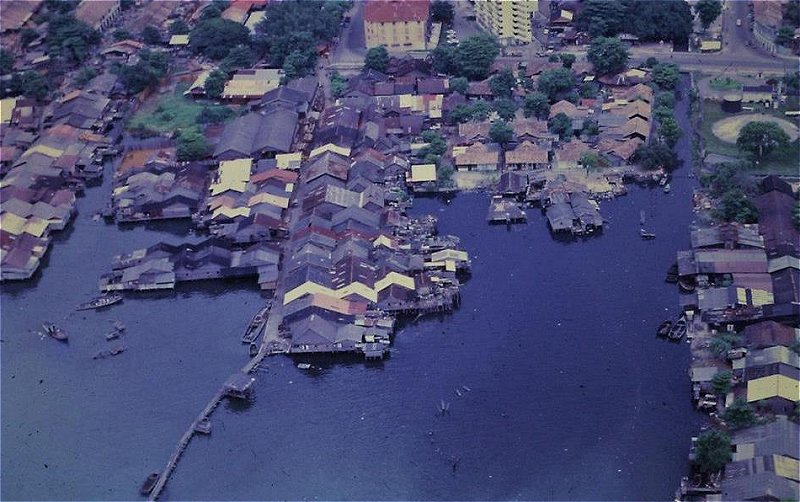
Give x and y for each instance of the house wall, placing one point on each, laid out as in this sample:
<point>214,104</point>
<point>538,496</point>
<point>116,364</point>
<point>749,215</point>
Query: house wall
<point>404,35</point>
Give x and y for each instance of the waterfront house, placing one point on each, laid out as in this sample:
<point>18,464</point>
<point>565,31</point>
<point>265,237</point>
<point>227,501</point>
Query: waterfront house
<point>775,206</point>
<point>527,156</point>
<point>250,84</point>
<point>477,157</point>
<point>400,25</point>
<point>258,134</point>
<point>569,155</point>
<point>768,334</point>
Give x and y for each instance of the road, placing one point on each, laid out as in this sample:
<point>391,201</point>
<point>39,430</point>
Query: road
<point>351,49</point>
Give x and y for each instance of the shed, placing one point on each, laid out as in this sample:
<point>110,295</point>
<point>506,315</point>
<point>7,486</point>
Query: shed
<point>239,385</point>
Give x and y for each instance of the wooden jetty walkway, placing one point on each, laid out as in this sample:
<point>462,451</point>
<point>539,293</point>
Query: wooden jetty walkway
<point>269,345</point>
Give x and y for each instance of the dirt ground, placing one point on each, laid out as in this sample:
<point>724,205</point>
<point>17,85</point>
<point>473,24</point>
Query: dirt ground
<point>728,129</point>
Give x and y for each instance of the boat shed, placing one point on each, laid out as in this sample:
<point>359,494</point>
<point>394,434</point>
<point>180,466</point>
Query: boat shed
<point>239,385</point>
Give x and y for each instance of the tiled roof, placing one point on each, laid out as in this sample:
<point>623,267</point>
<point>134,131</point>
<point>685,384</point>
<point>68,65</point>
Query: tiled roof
<point>396,11</point>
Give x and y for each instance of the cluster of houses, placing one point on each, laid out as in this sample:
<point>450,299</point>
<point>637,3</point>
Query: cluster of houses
<point>744,281</point>
<point>47,155</point>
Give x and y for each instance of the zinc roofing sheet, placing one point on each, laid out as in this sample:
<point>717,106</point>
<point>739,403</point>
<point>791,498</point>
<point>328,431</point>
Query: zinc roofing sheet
<point>773,386</point>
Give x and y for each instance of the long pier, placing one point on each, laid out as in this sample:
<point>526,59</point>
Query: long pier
<point>269,340</point>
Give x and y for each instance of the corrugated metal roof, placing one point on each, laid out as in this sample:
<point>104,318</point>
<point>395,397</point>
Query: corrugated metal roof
<point>423,172</point>
<point>773,386</point>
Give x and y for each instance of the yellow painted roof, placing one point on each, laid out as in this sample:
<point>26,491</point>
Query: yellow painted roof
<point>7,109</point>
<point>256,84</point>
<point>233,175</point>
<point>200,81</point>
<point>231,212</point>
<point>710,45</point>
<point>329,147</point>
<point>760,297</point>
<point>288,160</point>
<point>773,386</point>
<point>49,151</point>
<point>787,467</point>
<point>268,198</point>
<point>35,226</point>
<point>179,40</point>
<point>423,172</point>
<point>12,223</point>
<point>450,254</point>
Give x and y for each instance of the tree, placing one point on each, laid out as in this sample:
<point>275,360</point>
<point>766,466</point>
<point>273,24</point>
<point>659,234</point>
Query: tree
<point>215,37</point>
<point>442,12</point>
<point>590,160</point>
<point>436,143</point>
<point>70,39</point>
<point>503,84</point>
<point>735,205</point>
<point>739,414</point>
<point>601,18</point>
<point>338,84</point>
<point>145,73</point>
<point>664,100</point>
<point>505,108</point>
<point>589,90</point>
<point>761,138</point>
<point>377,59</point>
<point>666,75</point>
<point>536,105</point>
<point>6,62</point>
<point>556,83</point>
<point>713,451</point>
<point>785,36</point>
<point>607,55</point>
<point>85,75</point>
<point>791,13</point>
<point>591,127</point>
<point>214,115</point>
<point>656,156</point>
<point>722,342</point>
<point>297,64</point>
<point>480,110</point>
<point>459,85</point>
<point>708,11</point>
<point>191,146</point>
<point>721,382</point>
<point>443,59</point>
<point>670,131</point>
<point>30,84</point>
<point>567,60</point>
<point>475,55</point>
<point>501,133</point>
<point>662,113</point>
<point>650,62</point>
<point>122,35</point>
<point>215,84</point>
<point>151,35</point>
<point>238,57</point>
<point>655,20</point>
<point>178,27</point>
<point>460,114</point>
<point>561,124</point>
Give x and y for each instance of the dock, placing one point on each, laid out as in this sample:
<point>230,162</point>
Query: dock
<point>506,211</point>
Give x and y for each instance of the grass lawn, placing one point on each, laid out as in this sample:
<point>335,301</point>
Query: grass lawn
<point>724,84</point>
<point>169,112</point>
<point>781,162</point>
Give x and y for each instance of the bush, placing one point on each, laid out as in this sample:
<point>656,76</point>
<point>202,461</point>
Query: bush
<point>721,382</point>
<point>214,115</point>
<point>192,146</point>
<point>713,451</point>
<point>739,414</point>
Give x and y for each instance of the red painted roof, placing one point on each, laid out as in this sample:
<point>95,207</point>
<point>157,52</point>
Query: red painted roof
<point>396,11</point>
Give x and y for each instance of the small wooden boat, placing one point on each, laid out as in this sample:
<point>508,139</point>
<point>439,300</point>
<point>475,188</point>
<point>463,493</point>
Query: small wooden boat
<point>304,366</point>
<point>686,285</point>
<point>458,393</point>
<point>647,235</point>
<point>149,484</point>
<point>253,349</point>
<point>667,188</point>
<point>253,329</point>
<point>466,388</point>
<point>672,274</point>
<point>54,331</point>
<point>678,330</point>
<point>100,302</point>
<point>664,329</point>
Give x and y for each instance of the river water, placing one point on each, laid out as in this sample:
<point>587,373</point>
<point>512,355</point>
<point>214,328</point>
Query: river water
<point>572,395</point>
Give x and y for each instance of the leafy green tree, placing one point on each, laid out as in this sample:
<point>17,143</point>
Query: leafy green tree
<point>721,343</point>
<point>443,59</point>
<point>122,34</point>
<point>785,36</point>
<point>503,84</point>
<point>61,6</point>
<point>761,138</point>
<point>537,105</point>
<point>214,115</point>
<point>84,75</point>
<point>338,84</point>
<point>735,205</point>
<point>6,62</point>
<point>215,84</point>
<point>670,131</point>
<point>662,113</point>
<point>656,156</point>
<point>461,114</point>
<point>666,75</point>
<point>708,11</point>
<point>791,13</point>
<point>191,146</point>
<point>591,127</point>
<point>654,20</point>
<point>459,85</point>
<point>553,58</point>
<point>567,60</point>
<point>590,160</point>
<point>297,64</point>
<point>238,57</point>
<point>480,110</point>
<point>607,55</point>
<point>475,55</point>
<point>501,133</point>
<point>151,35</point>
<point>70,39</point>
<point>505,108</point>
<point>146,72</point>
<point>30,84</point>
<point>377,59</point>
<point>525,80</point>
<point>739,414</point>
<point>589,90</point>
<point>601,18</point>
<point>561,124</point>
<point>178,27</point>
<point>713,451</point>
<point>721,382</point>
<point>436,143</point>
<point>442,11</point>
<point>650,62</point>
<point>664,100</point>
<point>215,37</point>
<point>556,83</point>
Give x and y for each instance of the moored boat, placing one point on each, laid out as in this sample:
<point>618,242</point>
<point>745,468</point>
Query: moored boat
<point>54,331</point>
<point>667,188</point>
<point>678,330</point>
<point>149,484</point>
<point>647,235</point>
<point>672,274</point>
<point>664,329</point>
<point>100,302</point>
